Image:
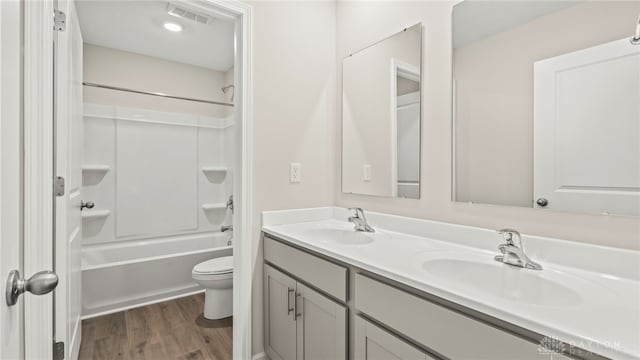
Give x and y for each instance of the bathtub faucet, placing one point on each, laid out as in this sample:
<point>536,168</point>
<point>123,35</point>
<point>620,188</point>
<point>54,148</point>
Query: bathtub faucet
<point>225,228</point>
<point>230,203</point>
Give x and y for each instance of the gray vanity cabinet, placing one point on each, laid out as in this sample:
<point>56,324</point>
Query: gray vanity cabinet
<point>301,323</point>
<point>373,343</point>
<point>311,304</point>
<point>447,332</point>
<point>322,326</point>
<point>280,324</point>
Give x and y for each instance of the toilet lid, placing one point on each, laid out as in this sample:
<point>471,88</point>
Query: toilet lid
<point>219,265</point>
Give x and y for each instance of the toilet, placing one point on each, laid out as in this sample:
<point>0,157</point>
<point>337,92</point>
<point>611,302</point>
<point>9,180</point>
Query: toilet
<point>216,276</point>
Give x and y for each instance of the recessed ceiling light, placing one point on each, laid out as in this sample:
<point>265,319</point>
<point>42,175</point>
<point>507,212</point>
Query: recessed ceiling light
<point>172,27</point>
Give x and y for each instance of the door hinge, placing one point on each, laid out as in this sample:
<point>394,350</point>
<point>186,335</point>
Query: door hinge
<point>58,186</point>
<point>58,350</point>
<point>59,20</point>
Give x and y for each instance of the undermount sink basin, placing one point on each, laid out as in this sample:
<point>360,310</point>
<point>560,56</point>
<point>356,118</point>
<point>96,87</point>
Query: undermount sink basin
<point>495,279</point>
<point>342,236</point>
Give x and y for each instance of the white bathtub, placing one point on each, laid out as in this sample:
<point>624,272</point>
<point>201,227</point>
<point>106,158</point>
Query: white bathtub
<point>120,276</point>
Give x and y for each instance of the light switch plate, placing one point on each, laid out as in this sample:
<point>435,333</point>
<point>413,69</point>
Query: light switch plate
<point>295,173</point>
<point>366,172</point>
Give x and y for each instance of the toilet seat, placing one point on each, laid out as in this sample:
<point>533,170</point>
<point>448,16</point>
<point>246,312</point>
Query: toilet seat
<point>217,266</point>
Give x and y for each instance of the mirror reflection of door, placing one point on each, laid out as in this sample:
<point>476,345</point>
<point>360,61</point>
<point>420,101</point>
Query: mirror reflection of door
<point>407,130</point>
<point>586,142</point>
<point>546,109</point>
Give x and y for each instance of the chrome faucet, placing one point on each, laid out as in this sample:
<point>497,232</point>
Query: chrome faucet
<point>360,221</point>
<point>513,254</point>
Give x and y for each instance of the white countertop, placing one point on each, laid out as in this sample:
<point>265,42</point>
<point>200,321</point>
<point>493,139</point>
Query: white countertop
<point>600,311</point>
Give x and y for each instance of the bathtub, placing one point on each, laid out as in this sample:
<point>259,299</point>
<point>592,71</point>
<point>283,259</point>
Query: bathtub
<point>119,276</point>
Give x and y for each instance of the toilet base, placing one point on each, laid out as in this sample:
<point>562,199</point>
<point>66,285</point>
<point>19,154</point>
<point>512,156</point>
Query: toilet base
<point>218,303</point>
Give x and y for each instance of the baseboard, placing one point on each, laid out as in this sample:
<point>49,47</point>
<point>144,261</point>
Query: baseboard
<point>260,356</point>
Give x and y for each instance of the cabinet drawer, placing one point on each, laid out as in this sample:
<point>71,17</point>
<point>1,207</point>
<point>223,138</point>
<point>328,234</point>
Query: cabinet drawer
<point>324,275</point>
<point>373,343</point>
<point>445,331</point>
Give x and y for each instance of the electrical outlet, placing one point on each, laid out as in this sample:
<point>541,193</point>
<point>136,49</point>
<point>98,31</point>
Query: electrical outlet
<point>295,173</point>
<point>366,172</point>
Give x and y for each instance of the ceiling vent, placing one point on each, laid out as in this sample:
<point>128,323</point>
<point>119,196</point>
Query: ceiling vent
<point>181,12</point>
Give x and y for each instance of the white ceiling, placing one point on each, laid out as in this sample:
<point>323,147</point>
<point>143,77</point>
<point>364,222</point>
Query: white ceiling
<point>137,26</point>
<point>476,19</point>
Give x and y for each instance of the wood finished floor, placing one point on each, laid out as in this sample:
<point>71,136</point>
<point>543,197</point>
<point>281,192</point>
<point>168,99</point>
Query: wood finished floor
<point>173,329</point>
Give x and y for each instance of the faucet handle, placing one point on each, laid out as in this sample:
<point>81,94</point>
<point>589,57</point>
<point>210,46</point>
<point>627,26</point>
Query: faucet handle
<point>508,235</point>
<point>358,213</point>
<point>360,220</point>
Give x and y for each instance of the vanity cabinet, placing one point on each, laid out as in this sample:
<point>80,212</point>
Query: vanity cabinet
<point>327,276</point>
<point>301,323</point>
<point>321,326</point>
<point>311,302</point>
<point>442,330</point>
<point>280,324</point>
<point>373,343</point>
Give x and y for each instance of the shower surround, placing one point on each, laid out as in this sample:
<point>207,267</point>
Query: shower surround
<point>160,182</point>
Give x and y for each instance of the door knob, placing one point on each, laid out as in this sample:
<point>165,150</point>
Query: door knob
<point>542,202</point>
<point>87,205</point>
<point>42,282</point>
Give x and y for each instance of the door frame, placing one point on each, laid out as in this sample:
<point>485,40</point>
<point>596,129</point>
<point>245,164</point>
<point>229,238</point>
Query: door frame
<point>38,170</point>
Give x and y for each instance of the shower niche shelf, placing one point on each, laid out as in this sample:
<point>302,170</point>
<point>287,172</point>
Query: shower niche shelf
<point>215,174</point>
<point>96,168</point>
<point>95,214</point>
<point>214,206</point>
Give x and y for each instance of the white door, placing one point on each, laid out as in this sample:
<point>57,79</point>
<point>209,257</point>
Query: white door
<point>68,164</point>
<point>11,317</point>
<point>587,130</point>
<point>408,132</point>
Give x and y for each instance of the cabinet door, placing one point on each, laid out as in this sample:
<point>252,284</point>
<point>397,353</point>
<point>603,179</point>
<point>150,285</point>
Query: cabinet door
<point>280,324</point>
<point>373,343</point>
<point>322,326</point>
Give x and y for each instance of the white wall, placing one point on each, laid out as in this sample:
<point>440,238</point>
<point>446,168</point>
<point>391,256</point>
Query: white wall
<point>293,115</point>
<point>360,23</point>
<point>139,72</point>
<point>494,96</point>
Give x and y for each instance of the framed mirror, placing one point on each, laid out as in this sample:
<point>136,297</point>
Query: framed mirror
<point>547,105</point>
<point>381,117</point>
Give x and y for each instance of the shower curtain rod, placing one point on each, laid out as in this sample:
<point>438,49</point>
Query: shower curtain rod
<point>155,94</point>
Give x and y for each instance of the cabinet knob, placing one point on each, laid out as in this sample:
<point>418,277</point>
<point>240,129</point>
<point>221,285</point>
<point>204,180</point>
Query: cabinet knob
<point>542,202</point>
